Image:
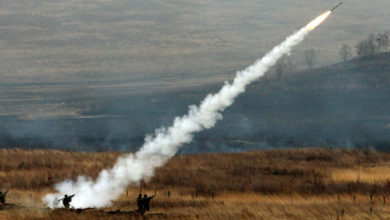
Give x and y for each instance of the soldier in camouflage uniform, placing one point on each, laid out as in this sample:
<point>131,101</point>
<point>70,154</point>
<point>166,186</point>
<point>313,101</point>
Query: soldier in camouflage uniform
<point>140,204</point>
<point>146,202</point>
<point>66,200</point>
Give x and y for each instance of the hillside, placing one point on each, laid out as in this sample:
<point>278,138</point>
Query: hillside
<point>77,41</point>
<point>342,105</point>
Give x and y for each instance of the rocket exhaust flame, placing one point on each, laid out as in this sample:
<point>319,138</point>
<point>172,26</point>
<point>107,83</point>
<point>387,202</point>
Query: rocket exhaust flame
<point>130,169</point>
<point>317,21</point>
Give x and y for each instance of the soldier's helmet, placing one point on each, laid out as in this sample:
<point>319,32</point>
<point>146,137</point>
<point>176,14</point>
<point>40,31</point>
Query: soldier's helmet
<point>139,195</point>
<point>145,195</point>
<point>66,195</point>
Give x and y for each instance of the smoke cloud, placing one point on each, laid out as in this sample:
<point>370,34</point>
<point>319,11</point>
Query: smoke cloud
<point>130,169</point>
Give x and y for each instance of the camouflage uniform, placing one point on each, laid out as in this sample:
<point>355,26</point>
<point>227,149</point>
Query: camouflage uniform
<point>140,204</point>
<point>66,201</point>
<point>146,202</point>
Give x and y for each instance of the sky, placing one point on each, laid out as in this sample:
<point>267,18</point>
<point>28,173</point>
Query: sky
<point>96,40</point>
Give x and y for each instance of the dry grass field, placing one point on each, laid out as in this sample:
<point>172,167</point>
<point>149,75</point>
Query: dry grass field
<point>270,184</point>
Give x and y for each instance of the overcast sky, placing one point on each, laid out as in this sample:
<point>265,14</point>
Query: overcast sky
<point>88,40</point>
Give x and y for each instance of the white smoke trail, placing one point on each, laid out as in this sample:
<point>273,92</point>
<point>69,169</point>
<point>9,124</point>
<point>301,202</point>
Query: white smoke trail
<point>130,169</point>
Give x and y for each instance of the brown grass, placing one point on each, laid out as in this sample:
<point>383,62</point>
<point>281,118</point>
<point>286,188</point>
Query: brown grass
<point>33,169</point>
<point>308,171</point>
<point>271,184</point>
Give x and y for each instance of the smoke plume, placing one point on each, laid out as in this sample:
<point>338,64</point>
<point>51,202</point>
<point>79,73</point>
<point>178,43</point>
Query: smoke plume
<point>130,169</point>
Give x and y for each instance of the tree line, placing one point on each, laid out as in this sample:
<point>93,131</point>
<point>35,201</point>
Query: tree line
<point>371,45</point>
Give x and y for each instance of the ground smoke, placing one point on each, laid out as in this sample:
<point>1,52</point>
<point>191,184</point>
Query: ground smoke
<point>130,169</point>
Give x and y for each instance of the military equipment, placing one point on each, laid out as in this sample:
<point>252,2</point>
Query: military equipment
<point>66,200</point>
<point>66,196</point>
<point>334,8</point>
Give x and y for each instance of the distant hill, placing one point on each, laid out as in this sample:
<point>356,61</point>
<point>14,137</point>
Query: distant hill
<point>342,105</point>
<point>73,41</point>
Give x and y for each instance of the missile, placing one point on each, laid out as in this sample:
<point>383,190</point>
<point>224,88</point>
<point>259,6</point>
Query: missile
<point>336,6</point>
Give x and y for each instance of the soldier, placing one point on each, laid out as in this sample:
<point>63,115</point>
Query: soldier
<point>66,200</point>
<point>140,204</point>
<point>2,197</point>
<point>146,201</point>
